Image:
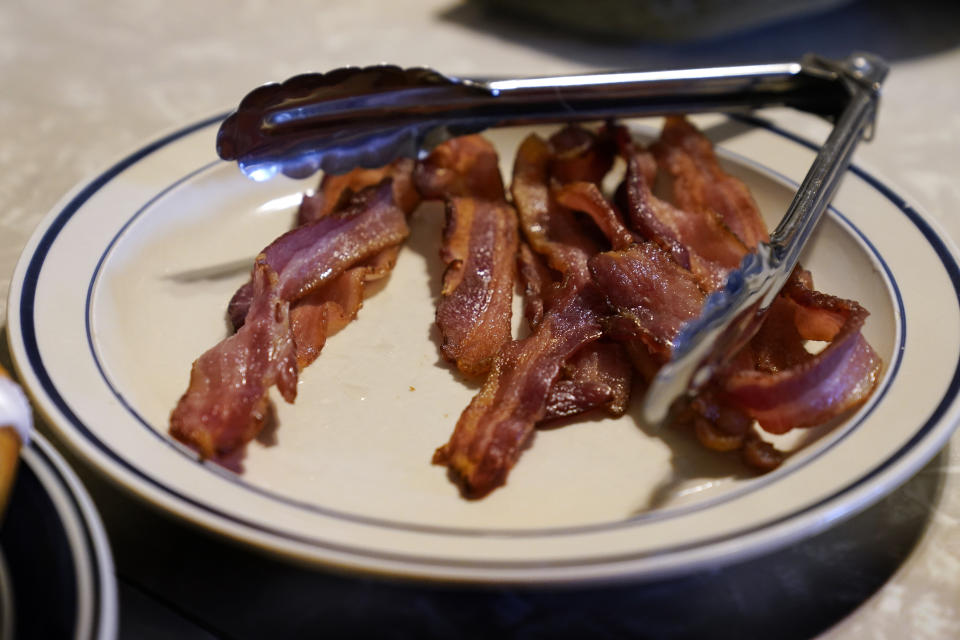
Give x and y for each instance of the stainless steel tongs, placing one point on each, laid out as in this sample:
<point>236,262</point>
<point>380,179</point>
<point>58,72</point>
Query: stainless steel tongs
<point>352,117</point>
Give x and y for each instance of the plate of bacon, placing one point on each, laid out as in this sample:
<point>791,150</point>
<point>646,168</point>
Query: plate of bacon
<point>199,338</point>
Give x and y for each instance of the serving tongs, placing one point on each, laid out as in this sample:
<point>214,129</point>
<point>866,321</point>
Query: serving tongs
<point>352,117</point>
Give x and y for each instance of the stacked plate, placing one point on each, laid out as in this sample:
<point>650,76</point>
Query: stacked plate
<point>56,572</point>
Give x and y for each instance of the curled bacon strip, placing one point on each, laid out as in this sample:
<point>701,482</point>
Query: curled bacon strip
<point>464,166</point>
<point>775,380</point>
<point>312,255</point>
<point>586,197</point>
<point>551,230</point>
<point>338,194</point>
<point>650,292</point>
<point>478,247</point>
<point>558,370</point>
<point>335,191</point>
<point>698,184</point>
<point>599,375</point>
<point>697,240</point>
<point>226,402</point>
<point>473,314</point>
<point>493,430</point>
<point>791,388</point>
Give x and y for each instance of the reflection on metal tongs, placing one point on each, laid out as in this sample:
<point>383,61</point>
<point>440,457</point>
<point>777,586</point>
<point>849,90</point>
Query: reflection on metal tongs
<point>367,117</point>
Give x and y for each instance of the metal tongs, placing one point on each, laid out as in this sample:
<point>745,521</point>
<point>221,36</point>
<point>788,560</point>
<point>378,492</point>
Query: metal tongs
<point>353,117</point>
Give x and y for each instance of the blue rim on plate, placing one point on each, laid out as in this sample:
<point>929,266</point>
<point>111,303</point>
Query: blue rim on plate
<point>28,335</point>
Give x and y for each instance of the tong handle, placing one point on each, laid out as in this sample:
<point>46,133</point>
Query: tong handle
<point>807,85</point>
<point>367,117</point>
<point>863,73</point>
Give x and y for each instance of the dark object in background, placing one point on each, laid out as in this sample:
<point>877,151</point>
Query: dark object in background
<point>663,20</point>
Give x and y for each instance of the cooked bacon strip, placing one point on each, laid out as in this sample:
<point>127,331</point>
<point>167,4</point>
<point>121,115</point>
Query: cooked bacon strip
<point>335,191</point>
<point>697,240</point>
<point>650,292</point>
<point>696,183</point>
<point>571,162</point>
<point>551,230</point>
<point>331,307</point>
<point>319,315</point>
<point>493,430</point>
<point>340,195</point>
<point>599,375</point>
<point>579,155</point>
<point>790,389</point>
<point>226,402</point>
<point>463,166</point>
<point>586,197</point>
<point>224,406</point>
<point>643,209</point>
<point>539,284</point>
<point>310,256</point>
<point>479,249</point>
<point>557,370</point>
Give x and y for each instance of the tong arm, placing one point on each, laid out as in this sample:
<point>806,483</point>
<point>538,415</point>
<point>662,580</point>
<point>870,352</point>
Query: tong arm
<point>367,117</point>
<point>733,315</point>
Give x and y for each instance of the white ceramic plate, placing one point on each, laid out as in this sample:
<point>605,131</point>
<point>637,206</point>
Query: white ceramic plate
<point>56,571</point>
<point>125,283</point>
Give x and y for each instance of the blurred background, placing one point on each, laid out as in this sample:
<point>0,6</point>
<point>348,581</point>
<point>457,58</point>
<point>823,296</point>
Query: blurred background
<point>89,80</point>
<point>70,68</point>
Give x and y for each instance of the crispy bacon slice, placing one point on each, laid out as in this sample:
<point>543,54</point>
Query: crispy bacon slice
<point>551,230</point>
<point>652,295</point>
<point>697,240</point>
<point>226,402</point>
<point>335,191</point>
<point>599,375</point>
<point>695,182</point>
<point>540,285</point>
<point>557,370</point>
<point>463,166</point>
<point>341,195</point>
<point>358,232</point>
<point>790,388</point>
<point>324,312</point>
<point>580,155</point>
<point>479,249</point>
<point>586,197</point>
<point>493,430</point>
<point>310,256</point>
